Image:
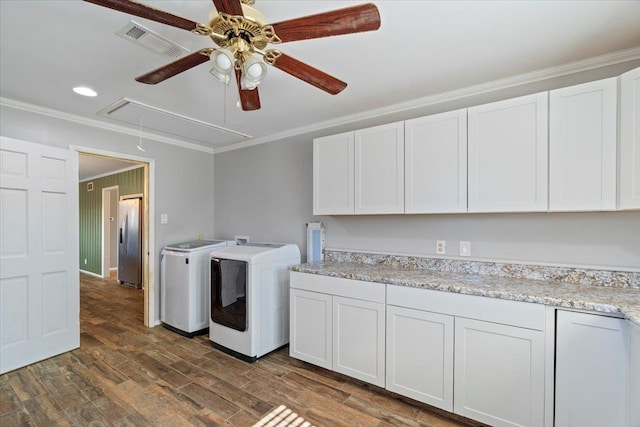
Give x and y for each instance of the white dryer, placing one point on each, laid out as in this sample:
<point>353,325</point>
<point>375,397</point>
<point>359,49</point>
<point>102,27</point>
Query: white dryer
<point>250,298</point>
<point>184,286</point>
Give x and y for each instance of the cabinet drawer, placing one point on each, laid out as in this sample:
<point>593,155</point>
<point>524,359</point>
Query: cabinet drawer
<point>358,289</point>
<point>522,314</point>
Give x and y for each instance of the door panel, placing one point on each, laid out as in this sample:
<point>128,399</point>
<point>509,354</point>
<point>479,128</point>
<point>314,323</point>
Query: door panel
<point>359,339</point>
<point>311,326</point>
<point>13,207</point>
<point>498,373</point>
<point>420,355</point>
<point>591,370</point>
<point>39,283</point>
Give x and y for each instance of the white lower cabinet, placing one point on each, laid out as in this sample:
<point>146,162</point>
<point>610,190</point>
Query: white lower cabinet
<point>499,373</point>
<point>339,324</point>
<point>358,339</point>
<point>311,327</point>
<point>591,370</point>
<point>420,356</point>
<point>634,375</point>
<point>482,358</point>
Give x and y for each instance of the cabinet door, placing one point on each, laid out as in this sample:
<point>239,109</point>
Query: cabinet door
<point>582,147</point>
<point>507,162</point>
<point>634,374</point>
<point>311,327</point>
<point>379,169</point>
<point>499,373</point>
<point>629,166</point>
<point>436,163</point>
<point>420,356</point>
<point>591,370</point>
<point>333,175</point>
<point>358,339</point>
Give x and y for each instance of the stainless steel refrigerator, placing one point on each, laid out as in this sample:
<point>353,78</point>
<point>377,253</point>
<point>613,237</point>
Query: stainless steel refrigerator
<point>130,242</point>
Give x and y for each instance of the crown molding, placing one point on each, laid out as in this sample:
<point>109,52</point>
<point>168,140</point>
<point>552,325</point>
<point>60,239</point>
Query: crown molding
<point>17,105</point>
<point>588,64</point>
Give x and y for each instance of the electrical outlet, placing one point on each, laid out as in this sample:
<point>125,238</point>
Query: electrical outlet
<point>241,239</point>
<point>85,261</point>
<point>441,247</point>
<point>465,248</point>
<point>164,218</point>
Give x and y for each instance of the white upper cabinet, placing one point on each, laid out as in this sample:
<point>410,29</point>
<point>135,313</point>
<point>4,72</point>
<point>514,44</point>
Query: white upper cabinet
<point>629,156</point>
<point>507,158</point>
<point>379,169</point>
<point>582,147</point>
<point>436,163</point>
<point>333,175</point>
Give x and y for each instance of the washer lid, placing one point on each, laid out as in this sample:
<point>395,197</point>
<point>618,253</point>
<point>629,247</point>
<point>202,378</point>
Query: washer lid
<point>194,244</point>
<point>258,252</point>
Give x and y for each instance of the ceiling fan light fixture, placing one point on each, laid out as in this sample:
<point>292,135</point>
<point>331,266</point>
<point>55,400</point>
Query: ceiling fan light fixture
<point>223,64</point>
<point>253,71</point>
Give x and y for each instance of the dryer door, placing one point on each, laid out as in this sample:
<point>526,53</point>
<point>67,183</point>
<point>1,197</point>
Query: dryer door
<point>229,293</point>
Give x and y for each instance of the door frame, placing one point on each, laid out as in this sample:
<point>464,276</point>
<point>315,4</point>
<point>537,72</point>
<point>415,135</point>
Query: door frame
<point>149,283</point>
<point>107,242</point>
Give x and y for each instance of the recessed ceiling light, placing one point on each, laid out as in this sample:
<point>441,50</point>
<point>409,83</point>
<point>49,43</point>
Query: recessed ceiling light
<point>84,91</point>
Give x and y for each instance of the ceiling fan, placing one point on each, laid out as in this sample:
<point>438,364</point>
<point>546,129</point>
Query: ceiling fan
<point>240,31</point>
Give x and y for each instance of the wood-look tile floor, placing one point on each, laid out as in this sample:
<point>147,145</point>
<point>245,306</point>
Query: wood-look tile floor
<point>125,374</point>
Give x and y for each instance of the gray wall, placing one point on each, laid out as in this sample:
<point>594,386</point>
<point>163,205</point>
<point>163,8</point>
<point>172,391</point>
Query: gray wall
<point>182,182</point>
<point>266,192</point>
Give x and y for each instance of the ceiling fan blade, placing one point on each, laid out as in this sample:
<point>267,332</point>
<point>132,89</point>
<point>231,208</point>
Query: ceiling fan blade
<point>230,7</point>
<point>176,67</point>
<point>309,74</point>
<point>148,12</point>
<point>249,99</point>
<point>349,20</point>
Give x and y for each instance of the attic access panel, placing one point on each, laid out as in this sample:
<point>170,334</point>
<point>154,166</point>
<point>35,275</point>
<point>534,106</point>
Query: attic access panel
<point>171,124</point>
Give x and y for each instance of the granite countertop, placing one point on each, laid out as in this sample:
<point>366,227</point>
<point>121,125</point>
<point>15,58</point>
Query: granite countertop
<point>603,299</point>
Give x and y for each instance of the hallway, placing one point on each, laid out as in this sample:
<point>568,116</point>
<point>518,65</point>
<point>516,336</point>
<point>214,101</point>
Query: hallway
<point>125,374</point>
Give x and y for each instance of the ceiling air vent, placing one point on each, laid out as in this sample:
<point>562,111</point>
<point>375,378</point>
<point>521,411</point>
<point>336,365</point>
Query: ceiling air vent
<point>148,39</point>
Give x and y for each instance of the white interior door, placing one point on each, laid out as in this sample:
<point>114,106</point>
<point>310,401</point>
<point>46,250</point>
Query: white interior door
<point>39,279</point>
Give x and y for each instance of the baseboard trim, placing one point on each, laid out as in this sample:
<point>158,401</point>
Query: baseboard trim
<point>91,273</point>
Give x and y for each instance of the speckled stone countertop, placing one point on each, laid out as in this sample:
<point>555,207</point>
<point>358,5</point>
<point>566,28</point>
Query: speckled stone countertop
<point>598,298</point>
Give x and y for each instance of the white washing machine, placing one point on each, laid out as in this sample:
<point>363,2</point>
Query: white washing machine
<point>184,286</point>
<point>250,298</point>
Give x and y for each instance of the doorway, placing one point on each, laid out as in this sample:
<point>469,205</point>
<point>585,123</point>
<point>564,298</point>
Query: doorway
<point>106,214</point>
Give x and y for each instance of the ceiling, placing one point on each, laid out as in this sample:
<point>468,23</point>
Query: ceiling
<point>423,49</point>
<point>96,166</point>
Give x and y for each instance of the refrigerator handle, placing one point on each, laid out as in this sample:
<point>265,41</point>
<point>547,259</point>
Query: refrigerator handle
<point>125,226</point>
<point>120,235</point>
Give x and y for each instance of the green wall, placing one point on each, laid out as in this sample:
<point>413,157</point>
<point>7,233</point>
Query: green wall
<point>129,182</point>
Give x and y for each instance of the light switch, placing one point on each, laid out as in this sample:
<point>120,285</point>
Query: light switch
<point>164,218</point>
